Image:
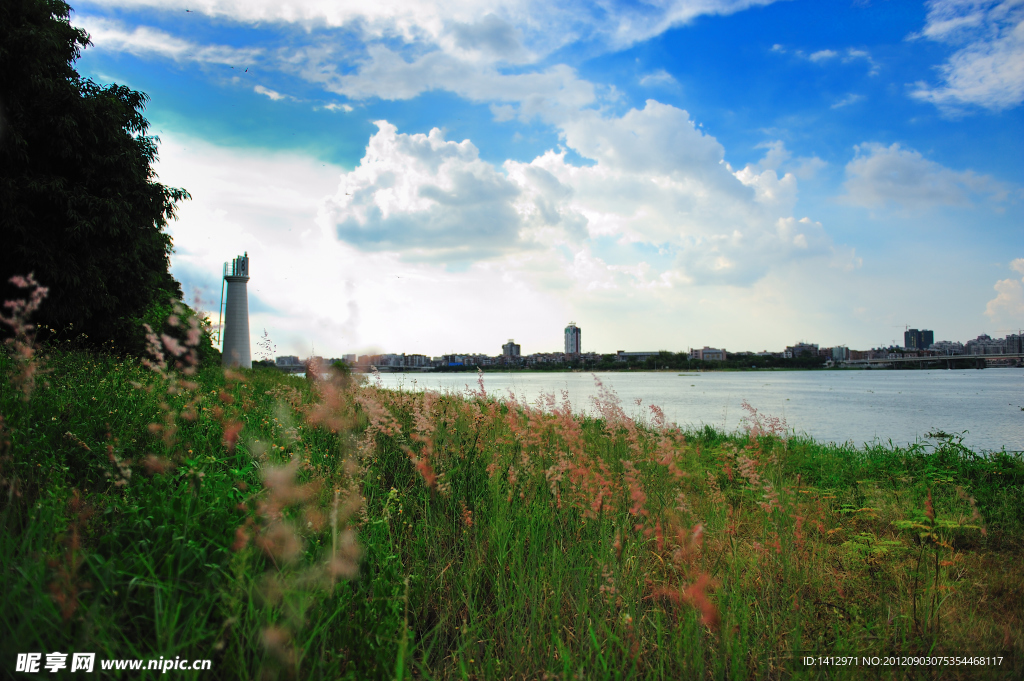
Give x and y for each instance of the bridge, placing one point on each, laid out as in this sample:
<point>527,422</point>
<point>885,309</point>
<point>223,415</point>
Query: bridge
<point>939,361</point>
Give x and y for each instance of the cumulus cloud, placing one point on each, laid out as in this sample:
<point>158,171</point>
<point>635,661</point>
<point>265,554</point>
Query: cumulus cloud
<point>1008,305</point>
<point>426,197</point>
<point>987,68</point>
<point>655,181</point>
<point>879,176</point>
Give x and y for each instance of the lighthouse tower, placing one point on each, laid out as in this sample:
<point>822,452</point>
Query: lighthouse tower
<point>235,350</point>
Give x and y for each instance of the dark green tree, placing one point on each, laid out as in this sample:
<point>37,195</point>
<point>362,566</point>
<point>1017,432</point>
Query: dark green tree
<point>81,207</point>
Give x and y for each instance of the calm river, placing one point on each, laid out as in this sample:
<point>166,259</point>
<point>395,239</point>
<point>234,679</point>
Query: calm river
<point>836,406</point>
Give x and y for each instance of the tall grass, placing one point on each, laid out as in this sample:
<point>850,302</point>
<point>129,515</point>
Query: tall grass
<point>332,529</point>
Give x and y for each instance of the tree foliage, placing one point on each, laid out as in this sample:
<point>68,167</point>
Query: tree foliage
<point>81,205</point>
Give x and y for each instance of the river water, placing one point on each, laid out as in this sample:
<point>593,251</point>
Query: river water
<point>831,406</point>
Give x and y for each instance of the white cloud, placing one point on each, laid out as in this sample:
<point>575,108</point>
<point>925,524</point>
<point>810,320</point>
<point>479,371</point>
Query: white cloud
<point>553,93</point>
<point>274,95</point>
<point>806,167</point>
<point>409,48</point>
<point>987,69</point>
<point>656,78</point>
<point>657,182</point>
<point>143,41</point>
<point>849,99</point>
<point>778,157</point>
<point>489,39</point>
<point>426,197</point>
<point>846,56</point>
<point>503,112</point>
<point>381,70</point>
<point>500,28</point>
<point>879,176</point>
<point>334,106</point>
<point>1008,305</point>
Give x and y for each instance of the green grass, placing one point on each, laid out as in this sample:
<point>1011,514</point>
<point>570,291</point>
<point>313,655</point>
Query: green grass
<point>547,546</point>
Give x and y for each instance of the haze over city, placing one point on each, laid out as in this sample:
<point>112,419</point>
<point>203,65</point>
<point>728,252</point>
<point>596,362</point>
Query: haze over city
<point>438,177</point>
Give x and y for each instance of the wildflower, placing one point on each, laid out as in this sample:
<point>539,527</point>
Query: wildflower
<point>23,342</point>
<point>975,513</point>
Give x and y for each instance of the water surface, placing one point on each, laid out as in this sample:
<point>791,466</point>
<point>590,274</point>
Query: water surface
<point>831,406</point>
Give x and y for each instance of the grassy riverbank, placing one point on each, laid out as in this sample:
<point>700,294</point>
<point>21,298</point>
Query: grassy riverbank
<point>290,529</point>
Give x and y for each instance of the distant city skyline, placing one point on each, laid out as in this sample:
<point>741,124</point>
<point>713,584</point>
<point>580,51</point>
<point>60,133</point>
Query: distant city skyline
<point>729,173</point>
<point>511,351</point>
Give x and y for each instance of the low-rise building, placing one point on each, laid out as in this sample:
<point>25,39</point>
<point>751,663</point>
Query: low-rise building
<point>948,347</point>
<point>623,356</point>
<point>985,345</point>
<point>707,354</point>
<point>800,348</point>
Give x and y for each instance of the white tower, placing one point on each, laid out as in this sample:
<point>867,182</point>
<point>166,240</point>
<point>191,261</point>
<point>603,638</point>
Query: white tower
<point>235,349</point>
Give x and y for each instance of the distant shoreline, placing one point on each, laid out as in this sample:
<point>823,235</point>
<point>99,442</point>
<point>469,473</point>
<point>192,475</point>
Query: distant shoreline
<point>681,372</point>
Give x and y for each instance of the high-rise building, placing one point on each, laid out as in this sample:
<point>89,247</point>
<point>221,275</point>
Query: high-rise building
<point>918,340</point>
<point>510,350</point>
<point>572,339</point>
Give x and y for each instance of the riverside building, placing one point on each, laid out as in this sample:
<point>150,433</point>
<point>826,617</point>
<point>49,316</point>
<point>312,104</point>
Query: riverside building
<point>572,339</point>
<point>708,354</point>
<point>510,350</point>
<point>918,340</point>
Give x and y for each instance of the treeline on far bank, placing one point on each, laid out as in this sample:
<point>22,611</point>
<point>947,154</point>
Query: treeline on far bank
<point>664,360</point>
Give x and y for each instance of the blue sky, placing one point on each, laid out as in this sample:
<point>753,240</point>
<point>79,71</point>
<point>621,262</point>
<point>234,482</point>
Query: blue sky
<point>439,177</point>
